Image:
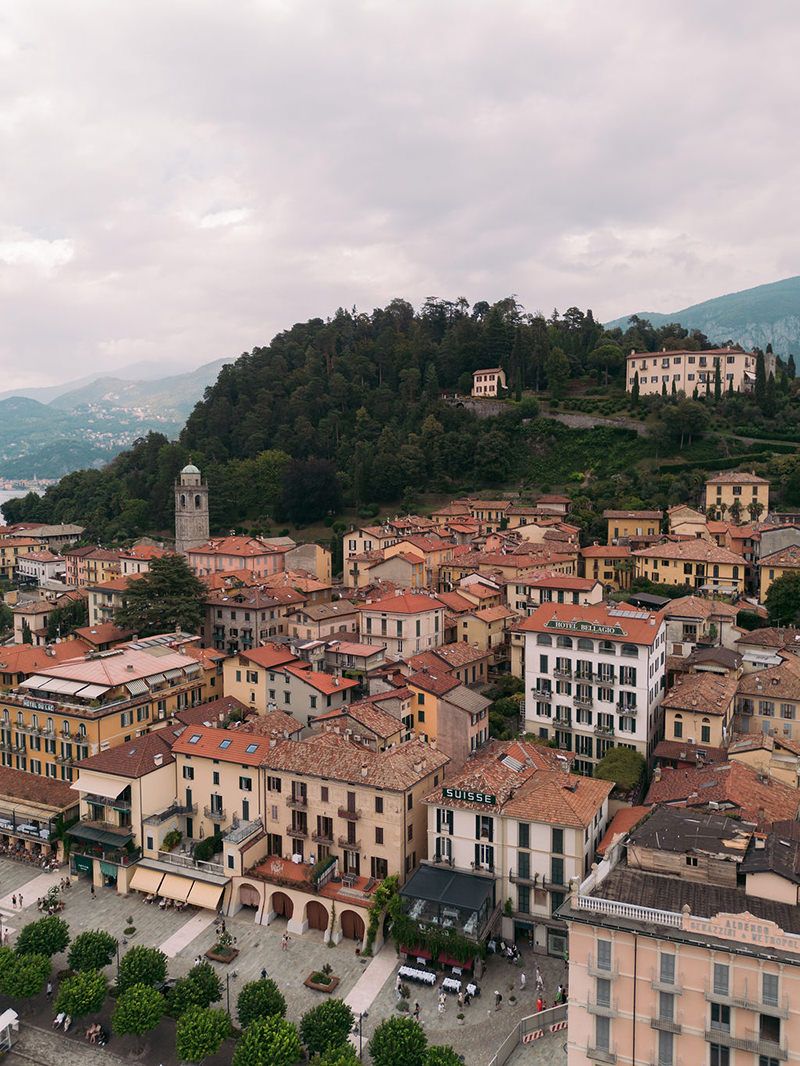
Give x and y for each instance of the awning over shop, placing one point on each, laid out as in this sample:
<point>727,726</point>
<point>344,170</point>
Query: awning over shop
<point>145,880</point>
<point>106,837</point>
<point>174,887</point>
<point>99,786</point>
<point>205,895</point>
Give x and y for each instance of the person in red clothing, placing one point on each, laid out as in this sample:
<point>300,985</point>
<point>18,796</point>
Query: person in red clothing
<point>539,1004</point>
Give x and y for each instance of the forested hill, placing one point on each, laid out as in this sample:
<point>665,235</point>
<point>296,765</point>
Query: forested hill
<point>350,410</point>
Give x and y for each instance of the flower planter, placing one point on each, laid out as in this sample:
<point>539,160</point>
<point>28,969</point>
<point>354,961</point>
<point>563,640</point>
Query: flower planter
<point>219,956</point>
<point>318,987</point>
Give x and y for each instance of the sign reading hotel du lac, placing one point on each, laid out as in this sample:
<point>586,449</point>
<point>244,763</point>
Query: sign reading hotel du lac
<point>586,627</point>
<point>467,795</point>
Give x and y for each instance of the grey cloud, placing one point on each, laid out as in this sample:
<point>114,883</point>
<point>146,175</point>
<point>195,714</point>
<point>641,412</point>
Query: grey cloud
<point>217,172</point>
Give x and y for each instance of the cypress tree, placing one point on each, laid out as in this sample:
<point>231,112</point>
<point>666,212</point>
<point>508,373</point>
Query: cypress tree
<point>635,390</point>
<point>717,383</point>
<point>790,367</point>
<point>761,380</point>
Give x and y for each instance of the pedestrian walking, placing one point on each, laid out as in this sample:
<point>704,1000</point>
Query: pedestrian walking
<point>560,996</point>
<point>49,988</point>
<point>539,1005</point>
<point>498,1000</point>
<point>94,893</point>
<point>442,1001</point>
<point>460,1000</point>
<point>20,901</point>
<point>398,986</point>
<point>440,1008</point>
<point>539,980</point>
<point>14,902</point>
<point>467,998</point>
<point>416,1011</point>
<point>523,980</point>
<point>285,942</point>
<point>263,973</point>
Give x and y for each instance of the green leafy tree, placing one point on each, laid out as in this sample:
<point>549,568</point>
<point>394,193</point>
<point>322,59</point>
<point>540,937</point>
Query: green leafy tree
<point>346,1055</point>
<point>200,1032</point>
<point>139,1009</point>
<point>783,600</point>
<point>623,766</point>
<point>556,368</point>
<point>635,390</point>
<point>268,1042</point>
<point>82,993</point>
<point>259,999</point>
<point>27,636</point>
<point>22,976</point>
<point>46,936</point>
<point>441,1055</point>
<point>791,369</point>
<point>311,490</point>
<point>326,1025</point>
<point>6,617</point>
<point>92,950</point>
<point>199,988</point>
<point>717,382</point>
<point>142,966</point>
<point>166,598</point>
<point>606,358</point>
<point>398,1042</point>
<point>62,621</point>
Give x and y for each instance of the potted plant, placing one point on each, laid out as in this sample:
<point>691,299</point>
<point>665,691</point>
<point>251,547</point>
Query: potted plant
<point>323,979</point>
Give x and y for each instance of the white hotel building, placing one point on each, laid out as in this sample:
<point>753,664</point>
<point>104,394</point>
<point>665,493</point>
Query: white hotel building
<point>594,678</point>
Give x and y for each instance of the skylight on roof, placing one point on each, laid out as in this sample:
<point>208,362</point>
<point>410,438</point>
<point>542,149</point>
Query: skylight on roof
<point>251,748</point>
<point>194,738</point>
<point>512,763</point>
<point>225,743</point>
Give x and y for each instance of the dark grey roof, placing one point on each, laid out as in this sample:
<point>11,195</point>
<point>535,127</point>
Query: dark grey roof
<point>683,831</point>
<point>779,855</point>
<point>646,599</point>
<point>704,901</point>
<point>731,660</point>
<point>440,885</point>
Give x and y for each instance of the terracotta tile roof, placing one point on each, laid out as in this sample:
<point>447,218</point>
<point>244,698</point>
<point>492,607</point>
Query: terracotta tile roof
<point>138,757</point>
<point>405,603</point>
<point>564,581</point>
<point>553,497</point>
<point>647,516</point>
<point>631,624</point>
<point>245,547</point>
<point>702,693</point>
<point>117,667</point>
<point>556,798</point>
<point>685,351</point>
<point>733,785</point>
<point>227,745</point>
<point>106,633</point>
<point>18,542</point>
<point>33,607</point>
<point>454,508</point>
<point>772,637</point>
<point>699,607</point>
<point>736,477</point>
<point>26,659</point>
<point>208,657</point>
<point>213,711</point>
<point>270,656</point>
<point>273,722</point>
<point>691,754</point>
<point>459,653</point>
<point>321,612</point>
<point>493,614</point>
<point>22,787</point>
<point>330,755</point>
<point>229,579</point>
<point>298,580</point>
<point>776,682</point>
<point>693,549</point>
<point>350,647</point>
<point>491,505</point>
<point>606,551</point>
<point>426,543</point>
<point>116,584</point>
<point>366,714</point>
<point>621,824</point>
<point>255,597</point>
<point>788,557</point>
<point>44,556</point>
<point>437,684</point>
<point>144,552</point>
<point>322,682</point>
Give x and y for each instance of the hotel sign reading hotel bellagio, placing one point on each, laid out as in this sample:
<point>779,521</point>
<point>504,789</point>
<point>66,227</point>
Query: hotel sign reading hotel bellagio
<point>586,627</point>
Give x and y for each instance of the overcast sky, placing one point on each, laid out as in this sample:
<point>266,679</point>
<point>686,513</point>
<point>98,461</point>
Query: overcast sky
<point>180,179</point>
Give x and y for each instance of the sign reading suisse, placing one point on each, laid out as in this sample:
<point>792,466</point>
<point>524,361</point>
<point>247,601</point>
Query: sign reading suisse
<point>469,796</point>
<point>587,627</point>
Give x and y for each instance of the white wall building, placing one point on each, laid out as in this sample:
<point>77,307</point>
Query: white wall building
<point>594,678</point>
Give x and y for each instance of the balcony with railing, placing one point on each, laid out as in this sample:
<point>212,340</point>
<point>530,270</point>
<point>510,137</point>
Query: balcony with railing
<point>665,1025</point>
<point>604,730</point>
<point>751,1043</point>
<point>562,671</point>
<point>596,1054</point>
<point>297,803</point>
<point>174,809</point>
<point>746,1001</point>
<point>605,1010</point>
<point>351,814</point>
<point>216,814</point>
<point>297,831</point>
<point>349,845</point>
<point>104,801</point>
<point>322,837</point>
<point>583,701</point>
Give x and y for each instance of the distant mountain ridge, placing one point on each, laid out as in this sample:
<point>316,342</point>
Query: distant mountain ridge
<point>753,318</point>
<point>89,421</point>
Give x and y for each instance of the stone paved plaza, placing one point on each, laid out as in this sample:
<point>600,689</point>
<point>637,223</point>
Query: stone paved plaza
<point>189,934</point>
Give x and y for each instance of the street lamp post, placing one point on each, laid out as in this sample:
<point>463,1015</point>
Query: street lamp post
<point>361,1016</point>
<point>228,977</point>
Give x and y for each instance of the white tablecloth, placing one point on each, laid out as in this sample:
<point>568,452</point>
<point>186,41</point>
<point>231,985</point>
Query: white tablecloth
<point>417,975</point>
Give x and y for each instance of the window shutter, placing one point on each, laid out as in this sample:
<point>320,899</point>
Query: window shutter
<point>438,819</point>
<point>477,827</point>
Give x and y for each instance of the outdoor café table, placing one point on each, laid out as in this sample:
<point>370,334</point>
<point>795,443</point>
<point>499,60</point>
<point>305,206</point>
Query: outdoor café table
<point>450,984</point>
<point>413,974</point>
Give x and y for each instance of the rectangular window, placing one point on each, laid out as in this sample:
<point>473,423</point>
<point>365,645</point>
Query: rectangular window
<point>667,969</point>
<point>524,835</point>
<point>379,804</point>
<point>188,773</point>
<point>603,992</point>
<point>557,871</point>
<point>721,1017</point>
<point>324,794</point>
<point>665,1050</point>
<point>721,972</point>
<point>215,777</point>
<point>557,843</point>
<point>604,954</point>
<point>246,784</point>
<point>769,988</point>
<point>719,1055</point>
<point>378,835</point>
<point>666,1006</point>
<point>602,1033</point>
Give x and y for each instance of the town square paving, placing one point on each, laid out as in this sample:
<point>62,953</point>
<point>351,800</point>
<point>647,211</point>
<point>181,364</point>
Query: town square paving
<point>367,983</point>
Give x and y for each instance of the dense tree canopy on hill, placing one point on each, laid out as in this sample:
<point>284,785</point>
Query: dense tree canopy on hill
<point>350,410</point>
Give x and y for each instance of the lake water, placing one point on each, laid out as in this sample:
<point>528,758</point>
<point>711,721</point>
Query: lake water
<point>10,494</point>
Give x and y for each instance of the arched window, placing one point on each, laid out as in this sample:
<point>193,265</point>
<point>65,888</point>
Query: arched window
<point>735,572</point>
<point>197,502</point>
<point>677,726</point>
<point>564,642</point>
<point>545,640</point>
<point>183,500</point>
<point>705,731</point>
<point>585,644</point>
<point>630,649</point>
<point>716,570</point>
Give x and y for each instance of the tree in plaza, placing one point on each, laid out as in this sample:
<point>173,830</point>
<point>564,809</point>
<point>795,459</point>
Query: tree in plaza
<point>91,950</point>
<point>259,999</point>
<point>268,1042</point>
<point>46,936</point>
<point>168,597</point>
<point>398,1042</point>
<point>441,1055</point>
<point>200,1032</point>
<point>142,966</point>
<point>623,766</point>
<point>783,600</point>
<point>327,1025</point>
<point>22,976</point>
<point>82,994</point>
<point>346,1055</point>
<point>199,988</point>
<point>139,1009</point>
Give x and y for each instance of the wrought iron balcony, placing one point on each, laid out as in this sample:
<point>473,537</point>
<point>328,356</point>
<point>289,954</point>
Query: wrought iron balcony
<point>322,838</point>
<point>216,814</point>
<point>298,831</point>
<point>666,1025</point>
<point>297,803</point>
<point>349,845</point>
<point>351,815</point>
<point>750,1043</point>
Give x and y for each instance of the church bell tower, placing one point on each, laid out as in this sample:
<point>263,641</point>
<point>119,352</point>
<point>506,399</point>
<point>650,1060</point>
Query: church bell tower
<point>191,509</point>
